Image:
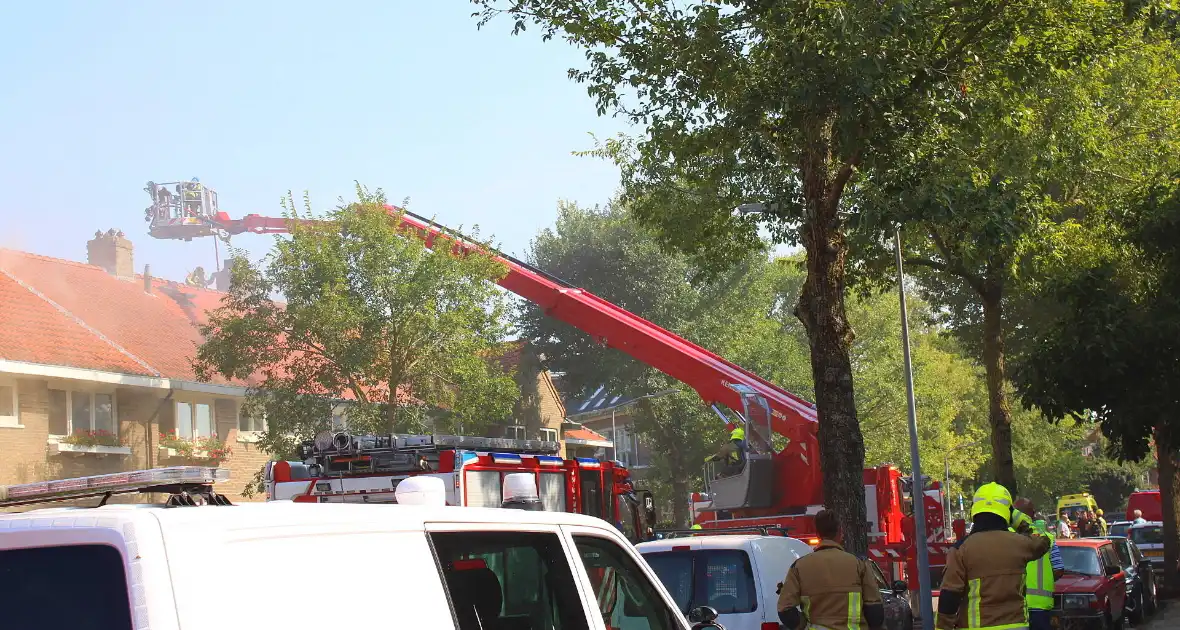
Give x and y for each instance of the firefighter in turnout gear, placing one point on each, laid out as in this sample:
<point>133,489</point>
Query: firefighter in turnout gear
<point>983,586</point>
<point>834,588</point>
<point>732,453</point>
<point>1041,574</point>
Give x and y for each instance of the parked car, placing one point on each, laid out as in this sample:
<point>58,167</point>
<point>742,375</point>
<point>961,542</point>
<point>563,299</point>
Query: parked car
<point>1142,596</point>
<point>1093,592</point>
<point>898,613</point>
<point>1149,537</point>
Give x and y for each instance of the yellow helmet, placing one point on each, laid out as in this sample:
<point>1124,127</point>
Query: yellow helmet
<point>697,526</point>
<point>737,434</point>
<point>993,498</point>
<point>1098,512</point>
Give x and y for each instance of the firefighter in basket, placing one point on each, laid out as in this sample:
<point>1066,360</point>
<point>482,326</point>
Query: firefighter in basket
<point>732,454</point>
<point>983,585</point>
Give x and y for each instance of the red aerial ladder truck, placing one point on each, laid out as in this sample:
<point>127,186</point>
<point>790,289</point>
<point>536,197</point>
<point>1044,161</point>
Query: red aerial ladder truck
<point>342,468</point>
<point>783,486</point>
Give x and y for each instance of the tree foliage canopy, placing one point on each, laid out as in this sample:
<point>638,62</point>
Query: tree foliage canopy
<point>369,315</point>
<point>1108,348</point>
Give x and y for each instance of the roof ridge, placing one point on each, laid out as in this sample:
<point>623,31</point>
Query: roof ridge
<point>80,322</point>
<point>55,259</point>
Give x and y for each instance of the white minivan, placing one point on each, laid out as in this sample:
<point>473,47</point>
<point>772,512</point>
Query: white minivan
<point>199,563</point>
<point>738,575</point>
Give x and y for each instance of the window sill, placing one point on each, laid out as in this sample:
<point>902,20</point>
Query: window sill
<point>171,453</point>
<point>11,425</point>
<point>78,449</point>
<point>249,437</point>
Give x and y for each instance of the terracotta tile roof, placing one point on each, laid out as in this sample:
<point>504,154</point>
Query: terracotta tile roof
<point>79,315</point>
<point>62,312</point>
<point>35,331</point>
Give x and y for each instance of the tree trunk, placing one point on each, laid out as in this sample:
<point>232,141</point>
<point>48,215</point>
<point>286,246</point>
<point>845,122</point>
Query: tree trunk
<point>1169,485</point>
<point>680,510</point>
<point>999,415</point>
<point>822,312</point>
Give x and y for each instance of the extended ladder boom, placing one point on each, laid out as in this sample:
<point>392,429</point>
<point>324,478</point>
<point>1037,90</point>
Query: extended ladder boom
<point>715,379</point>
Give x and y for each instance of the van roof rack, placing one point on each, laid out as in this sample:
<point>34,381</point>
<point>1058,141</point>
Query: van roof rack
<point>187,485</point>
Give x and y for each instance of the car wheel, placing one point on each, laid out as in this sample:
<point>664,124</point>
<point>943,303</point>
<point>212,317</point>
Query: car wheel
<point>1134,610</point>
<point>1151,600</point>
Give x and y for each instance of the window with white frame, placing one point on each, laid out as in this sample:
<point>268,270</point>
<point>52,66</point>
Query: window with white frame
<point>626,448</point>
<point>514,432</point>
<point>251,423</point>
<point>194,420</point>
<point>9,407</point>
<point>548,435</point>
<point>72,411</point>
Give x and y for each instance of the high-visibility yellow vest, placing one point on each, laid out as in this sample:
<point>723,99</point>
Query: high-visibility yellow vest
<point>1038,580</point>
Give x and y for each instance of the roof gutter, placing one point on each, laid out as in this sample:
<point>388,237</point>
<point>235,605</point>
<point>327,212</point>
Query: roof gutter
<point>115,378</point>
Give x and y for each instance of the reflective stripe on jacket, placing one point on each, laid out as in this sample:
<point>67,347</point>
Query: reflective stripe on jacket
<point>1039,581</point>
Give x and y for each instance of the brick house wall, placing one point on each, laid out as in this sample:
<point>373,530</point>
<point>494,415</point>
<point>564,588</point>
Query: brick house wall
<point>27,455</point>
<point>540,405</point>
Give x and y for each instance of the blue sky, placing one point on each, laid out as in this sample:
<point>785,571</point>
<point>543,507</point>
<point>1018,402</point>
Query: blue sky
<point>257,98</point>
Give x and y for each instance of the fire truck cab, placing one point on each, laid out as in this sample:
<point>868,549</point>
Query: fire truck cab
<point>342,468</point>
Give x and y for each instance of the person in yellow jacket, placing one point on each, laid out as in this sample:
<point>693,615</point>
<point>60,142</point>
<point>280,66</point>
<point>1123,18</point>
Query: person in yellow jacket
<point>983,584</point>
<point>830,589</point>
<point>1041,574</point>
<point>732,453</point>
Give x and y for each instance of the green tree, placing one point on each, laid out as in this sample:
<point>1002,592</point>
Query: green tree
<point>740,316</point>
<point>404,333</point>
<point>983,198</point>
<point>781,104</point>
<point>1106,349</point>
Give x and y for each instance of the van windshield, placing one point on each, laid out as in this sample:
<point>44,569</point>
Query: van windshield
<point>719,578</point>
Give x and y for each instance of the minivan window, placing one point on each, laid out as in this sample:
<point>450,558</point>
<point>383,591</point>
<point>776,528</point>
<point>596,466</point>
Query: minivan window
<point>720,578</point>
<point>1150,535</point>
<point>627,599</point>
<point>34,581</point>
<point>508,579</point>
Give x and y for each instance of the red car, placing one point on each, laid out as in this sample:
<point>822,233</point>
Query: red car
<point>1093,591</point>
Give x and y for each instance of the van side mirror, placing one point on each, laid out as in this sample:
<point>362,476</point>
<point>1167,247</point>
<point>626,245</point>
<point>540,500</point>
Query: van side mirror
<point>1113,571</point>
<point>702,616</point>
<point>899,587</point>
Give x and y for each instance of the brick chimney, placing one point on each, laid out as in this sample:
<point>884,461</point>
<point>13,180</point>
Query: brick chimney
<point>112,251</point>
<point>147,279</point>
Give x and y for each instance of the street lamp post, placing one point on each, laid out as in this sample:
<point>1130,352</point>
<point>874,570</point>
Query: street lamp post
<point>925,603</point>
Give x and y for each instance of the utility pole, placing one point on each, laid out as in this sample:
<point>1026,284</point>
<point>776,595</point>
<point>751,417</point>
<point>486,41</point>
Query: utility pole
<point>925,603</point>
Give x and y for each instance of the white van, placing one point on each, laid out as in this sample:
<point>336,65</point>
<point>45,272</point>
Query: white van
<point>199,563</point>
<point>735,574</point>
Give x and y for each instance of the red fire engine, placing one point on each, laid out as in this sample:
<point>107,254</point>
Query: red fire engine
<point>343,468</point>
<point>781,485</point>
